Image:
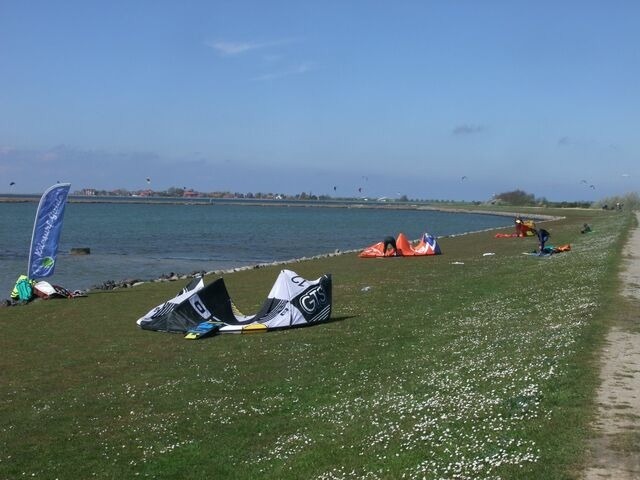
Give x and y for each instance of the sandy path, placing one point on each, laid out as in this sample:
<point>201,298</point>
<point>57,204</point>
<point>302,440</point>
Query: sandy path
<point>615,450</point>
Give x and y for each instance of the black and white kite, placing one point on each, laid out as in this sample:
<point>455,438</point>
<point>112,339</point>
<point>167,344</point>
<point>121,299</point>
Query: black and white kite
<point>199,311</point>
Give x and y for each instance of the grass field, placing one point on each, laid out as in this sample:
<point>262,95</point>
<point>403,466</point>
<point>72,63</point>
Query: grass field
<point>431,369</point>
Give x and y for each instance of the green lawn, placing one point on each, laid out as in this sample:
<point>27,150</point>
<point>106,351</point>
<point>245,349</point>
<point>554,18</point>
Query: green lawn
<point>485,369</point>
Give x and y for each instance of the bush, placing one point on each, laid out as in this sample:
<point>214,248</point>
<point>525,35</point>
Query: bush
<point>629,201</point>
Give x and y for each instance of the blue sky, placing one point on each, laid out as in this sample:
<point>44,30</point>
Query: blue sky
<point>393,98</point>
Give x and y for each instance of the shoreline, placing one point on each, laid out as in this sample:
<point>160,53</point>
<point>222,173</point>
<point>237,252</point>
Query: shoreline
<point>127,281</point>
<point>237,202</point>
<point>172,277</point>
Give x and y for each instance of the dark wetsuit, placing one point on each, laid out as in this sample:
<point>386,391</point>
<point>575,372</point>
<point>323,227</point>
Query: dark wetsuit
<point>543,236</point>
<point>390,241</point>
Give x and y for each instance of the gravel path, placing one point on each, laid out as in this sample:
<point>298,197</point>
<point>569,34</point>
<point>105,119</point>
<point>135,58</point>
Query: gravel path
<point>616,447</point>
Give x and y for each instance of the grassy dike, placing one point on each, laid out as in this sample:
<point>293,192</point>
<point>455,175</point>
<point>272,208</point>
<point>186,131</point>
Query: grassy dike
<point>428,369</point>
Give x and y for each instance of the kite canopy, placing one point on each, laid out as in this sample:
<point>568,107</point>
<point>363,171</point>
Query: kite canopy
<point>550,250</point>
<point>177,314</point>
<point>524,228</point>
<point>292,301</point>
<point>427,245</point>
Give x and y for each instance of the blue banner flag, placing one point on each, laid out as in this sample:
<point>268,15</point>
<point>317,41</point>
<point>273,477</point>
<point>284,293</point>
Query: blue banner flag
<point>46,231</point>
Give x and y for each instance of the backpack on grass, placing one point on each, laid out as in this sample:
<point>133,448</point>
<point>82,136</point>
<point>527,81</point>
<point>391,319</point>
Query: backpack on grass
<point>23,290</point>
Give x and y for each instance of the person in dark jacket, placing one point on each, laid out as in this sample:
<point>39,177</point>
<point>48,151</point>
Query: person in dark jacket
<point>390,242</point>
<point>543,236</point>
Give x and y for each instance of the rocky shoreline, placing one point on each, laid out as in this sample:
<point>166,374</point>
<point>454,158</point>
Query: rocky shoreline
<point>172,276</point>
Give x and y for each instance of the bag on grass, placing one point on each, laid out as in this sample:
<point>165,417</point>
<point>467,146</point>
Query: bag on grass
<point>23,289</point>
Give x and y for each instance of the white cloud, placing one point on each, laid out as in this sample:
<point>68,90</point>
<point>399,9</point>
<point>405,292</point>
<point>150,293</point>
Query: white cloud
<point>227,49</point>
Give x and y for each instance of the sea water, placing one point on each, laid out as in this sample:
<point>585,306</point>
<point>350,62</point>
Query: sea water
<point>147,240</point>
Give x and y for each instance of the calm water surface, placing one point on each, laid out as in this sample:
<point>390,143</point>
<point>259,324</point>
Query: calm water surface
<point>145,241</point>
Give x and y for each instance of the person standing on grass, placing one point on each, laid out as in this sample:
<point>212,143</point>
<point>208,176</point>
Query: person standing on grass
<point>543,236</point>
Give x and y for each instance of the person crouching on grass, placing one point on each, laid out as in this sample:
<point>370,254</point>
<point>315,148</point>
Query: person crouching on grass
<point>390,242</point>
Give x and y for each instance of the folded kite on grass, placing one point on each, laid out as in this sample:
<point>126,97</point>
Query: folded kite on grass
<point>200,310</point>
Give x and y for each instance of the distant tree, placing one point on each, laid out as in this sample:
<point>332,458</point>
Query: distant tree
<point>517,197</point>
<point>175,192</point>
<point>403,198</point>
